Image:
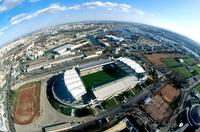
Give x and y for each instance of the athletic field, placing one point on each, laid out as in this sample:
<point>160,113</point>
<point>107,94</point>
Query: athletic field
<point>28,103</point>
<point>102,77</point>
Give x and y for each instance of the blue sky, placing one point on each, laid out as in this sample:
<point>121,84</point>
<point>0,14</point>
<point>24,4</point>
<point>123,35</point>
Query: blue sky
<point>19,17</point>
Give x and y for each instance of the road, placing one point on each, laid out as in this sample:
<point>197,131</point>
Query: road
<point>8,101</point>
<point>54,70</point>
<point>122,107</point>
<point>184,97</point>
<point>128,105</point>
<point>186,93</point>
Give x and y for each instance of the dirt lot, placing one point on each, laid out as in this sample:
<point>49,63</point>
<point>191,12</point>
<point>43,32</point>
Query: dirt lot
<point>28,103</point>
<point>155,59</point>
<point>169,93</point>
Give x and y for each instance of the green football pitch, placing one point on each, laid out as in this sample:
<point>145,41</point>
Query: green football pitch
<point>102,77</point>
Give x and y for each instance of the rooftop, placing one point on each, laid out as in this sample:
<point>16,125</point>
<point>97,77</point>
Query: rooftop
<point>131,63</point>
<point>74,83</point>
<point>94,64</point>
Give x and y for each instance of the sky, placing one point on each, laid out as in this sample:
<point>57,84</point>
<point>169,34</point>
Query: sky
<point>20,17</point>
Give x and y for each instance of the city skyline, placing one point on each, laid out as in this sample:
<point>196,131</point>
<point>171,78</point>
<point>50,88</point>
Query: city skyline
<point>30,15</point>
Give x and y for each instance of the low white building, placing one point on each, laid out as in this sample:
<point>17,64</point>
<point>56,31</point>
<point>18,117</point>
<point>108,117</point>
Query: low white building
<point>3,120</point>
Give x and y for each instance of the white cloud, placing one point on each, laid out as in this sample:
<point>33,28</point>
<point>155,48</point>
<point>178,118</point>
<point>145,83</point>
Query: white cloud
<point>17,17</point>
<point>9,4</point>
<point>75,7</point>
<point>54,8</point>
<point>23,17</point>
<point>88,5</point>
<point>138,12</point>
<point>108,5</point>
<point>3,29</point>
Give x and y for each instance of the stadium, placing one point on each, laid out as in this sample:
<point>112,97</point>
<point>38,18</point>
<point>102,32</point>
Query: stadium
<point>193,115</point>
<point>96,81</point>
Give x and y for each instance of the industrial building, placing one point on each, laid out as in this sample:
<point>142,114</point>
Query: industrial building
<point>189,119</point>
<point>67,49</point>
<point>27,67</point>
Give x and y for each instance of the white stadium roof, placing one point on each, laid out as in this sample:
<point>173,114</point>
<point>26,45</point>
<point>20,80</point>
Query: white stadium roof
<point>74,83</point>
<point>135,66</point>
<point>111,89</point>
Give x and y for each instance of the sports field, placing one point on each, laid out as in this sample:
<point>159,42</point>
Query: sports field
<point>196,68</point>
<point>156,59</point>
<point>28,103</point>
<point>189,61</point>
<point>102,77</point>
<point>198,88</point>
<point>170,62</point>
<point>182,72</point>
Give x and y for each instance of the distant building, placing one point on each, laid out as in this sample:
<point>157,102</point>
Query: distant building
<point>66,49</point>
<point>122,125</point>
<point>92,54</point>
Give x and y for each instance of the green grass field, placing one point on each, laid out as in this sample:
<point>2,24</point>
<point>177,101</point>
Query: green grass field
<point>198,88</point>
<point>196,68</point>
<point>189,61</point>
<point>169,62</point>
<point>128,94</point>
<point>182,72</point>
<point>112,102</point>
<point>95,79</point>
<point>109,103</point>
